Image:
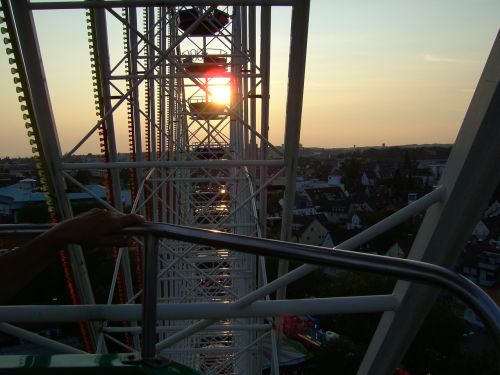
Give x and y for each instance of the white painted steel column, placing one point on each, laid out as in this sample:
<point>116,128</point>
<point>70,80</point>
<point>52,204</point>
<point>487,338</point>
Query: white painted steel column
<point>163,113</point>
<point>252,45</point>
<point>296,76</point>
<point>151,84</point>
<point>265,61</point>
<point>134,100</point>
<point>470,177</point>
<point>44,121</point>
<point>103,61</point>
<point>102,47</point>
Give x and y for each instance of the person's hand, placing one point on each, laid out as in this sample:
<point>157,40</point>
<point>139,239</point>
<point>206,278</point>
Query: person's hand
<point>94,228</point>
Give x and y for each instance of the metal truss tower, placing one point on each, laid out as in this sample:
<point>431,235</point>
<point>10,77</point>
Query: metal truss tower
<point>194,83</point>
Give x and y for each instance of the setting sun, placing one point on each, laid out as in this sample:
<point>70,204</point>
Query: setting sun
<point>220,91</point>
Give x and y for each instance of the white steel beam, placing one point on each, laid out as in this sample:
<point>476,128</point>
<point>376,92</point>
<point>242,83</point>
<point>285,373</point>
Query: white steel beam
<point>216,163</point>
<point>213,328</point>
<point>103,61</point>
<point>470,177</point>
<point>296,77</point>
<point>44,121</point>
<point>145,3</point>
<point>184,311</point>
<point>265,62</point>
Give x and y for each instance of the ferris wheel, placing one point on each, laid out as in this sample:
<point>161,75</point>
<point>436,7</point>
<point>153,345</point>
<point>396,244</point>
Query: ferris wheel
<point>188,82</point>
<point>194,82</point>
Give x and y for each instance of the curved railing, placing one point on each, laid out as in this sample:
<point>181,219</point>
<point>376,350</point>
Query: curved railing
<point>405,269</point>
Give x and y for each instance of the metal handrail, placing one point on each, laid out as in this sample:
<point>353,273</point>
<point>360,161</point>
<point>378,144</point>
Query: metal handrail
<point>405,269</point>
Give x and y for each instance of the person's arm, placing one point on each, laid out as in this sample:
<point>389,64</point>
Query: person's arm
<point>20,266</point>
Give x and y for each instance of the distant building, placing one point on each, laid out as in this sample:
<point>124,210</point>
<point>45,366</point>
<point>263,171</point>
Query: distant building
<point>481,231</point>
<point>309,230</point>
<point>368,178</point>
<point>483,269</point>
<point>331,201</point>
<point>335,178</point>
<point>14,197</point>
<point>412,197</point>
<point>355,222</point>
<point>492,211</point>
<point>395,251</point>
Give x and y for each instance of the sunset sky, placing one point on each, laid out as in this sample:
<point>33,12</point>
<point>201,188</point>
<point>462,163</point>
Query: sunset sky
<point>386,71</point>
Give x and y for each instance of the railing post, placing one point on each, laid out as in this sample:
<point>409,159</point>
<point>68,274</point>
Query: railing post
<point>148,349</point>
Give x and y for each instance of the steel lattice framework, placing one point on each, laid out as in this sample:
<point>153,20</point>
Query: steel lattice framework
<point>199,160</point>
<point>195,86</point>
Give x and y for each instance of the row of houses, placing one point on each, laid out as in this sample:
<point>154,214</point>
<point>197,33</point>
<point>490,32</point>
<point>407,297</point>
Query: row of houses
<point>371,173</point>
<point>318,203</point>
<point>333,203</point>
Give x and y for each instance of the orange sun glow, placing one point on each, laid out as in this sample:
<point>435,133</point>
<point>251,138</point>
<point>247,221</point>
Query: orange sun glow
<point>220,92</point>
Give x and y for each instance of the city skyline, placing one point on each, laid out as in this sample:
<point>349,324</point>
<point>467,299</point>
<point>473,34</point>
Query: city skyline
<point>386,72</point>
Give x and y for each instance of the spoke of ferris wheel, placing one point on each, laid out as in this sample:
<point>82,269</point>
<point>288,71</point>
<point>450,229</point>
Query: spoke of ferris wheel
<point>163,56</point>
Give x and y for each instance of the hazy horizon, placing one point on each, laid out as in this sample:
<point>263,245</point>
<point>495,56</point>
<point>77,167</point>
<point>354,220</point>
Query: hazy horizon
<point>393,72</point>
